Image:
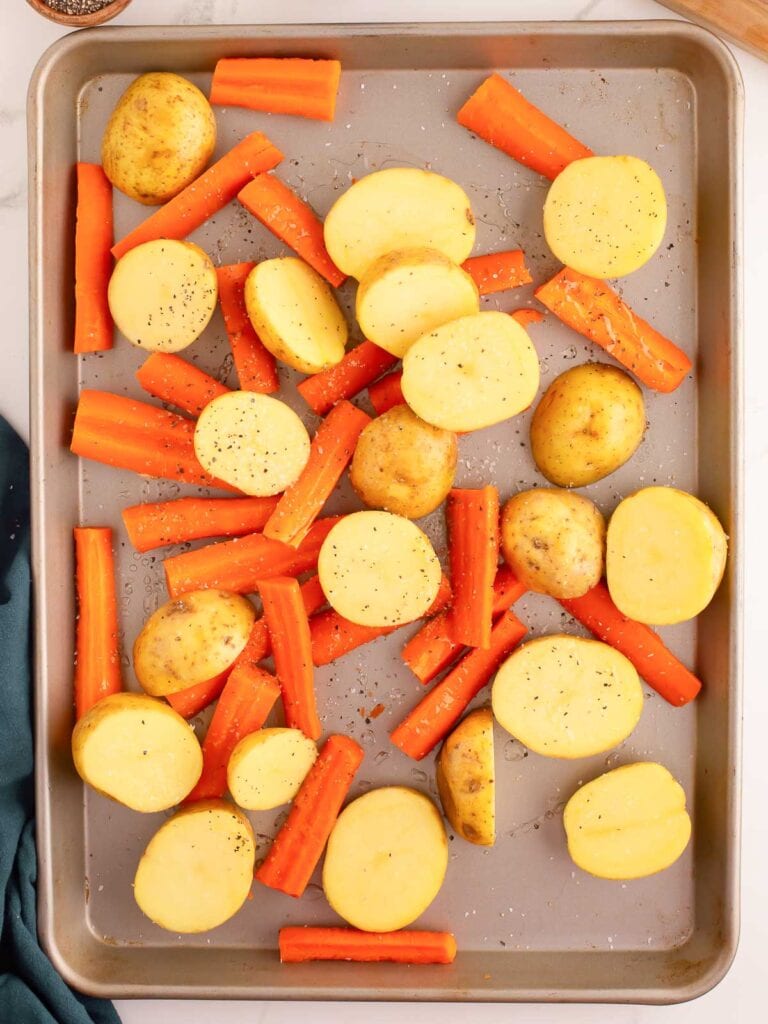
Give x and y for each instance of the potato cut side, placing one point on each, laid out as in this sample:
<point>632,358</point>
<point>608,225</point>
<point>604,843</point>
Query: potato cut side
<point>666,554</point>
<point>378,569</point>
<point>294,312</point>
<point>197,870</point>
<point>386,859</point>
<point>471,373</point>
<point>398,208</point>
<point>629,823</point>
<point>605,216</point>
<point>138,751</point>
<point>191,640</point>
<point>563,696</point>
<point>267,768</point>
<point>254,442</point>
<point>466,778</point>
<point>409,292</point>
<point>162,294</point>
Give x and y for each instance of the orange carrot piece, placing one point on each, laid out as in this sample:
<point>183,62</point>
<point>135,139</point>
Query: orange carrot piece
<point>332,448</point>
<point>256,366</point>
<point>636,641</point>
<point>93,260</point>
<point>278,85</point>
<point>359,367</point>
<point>502,116</point>
<point>158,524</point>
<point>174,380</point>
<point>473,531</point>
<point>437,713</point>
<point>299,845</point>
<point>190,702</point>
<point>239,564</point>
<point>293,220</point>
<point>593,309</point>
<point>297,945</point>
<point>97,665</point>
<point>288,626</point>
<point>498,271</point>
<point>525,316</point>
<point>386,392</point>
<point>243,707</point>
<point>206,195</point>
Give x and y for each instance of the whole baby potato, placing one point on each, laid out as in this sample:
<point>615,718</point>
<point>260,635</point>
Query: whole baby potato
<point>554,541</point>
<point>404,465</point>
<point>590,421</point>
<point>159,138</point>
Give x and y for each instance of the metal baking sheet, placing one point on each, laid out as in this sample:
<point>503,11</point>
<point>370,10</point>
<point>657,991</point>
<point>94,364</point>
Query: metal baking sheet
<point>529,925</point>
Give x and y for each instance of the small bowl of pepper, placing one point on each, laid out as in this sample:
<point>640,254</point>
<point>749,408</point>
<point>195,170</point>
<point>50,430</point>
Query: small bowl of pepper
<point>79,13</point>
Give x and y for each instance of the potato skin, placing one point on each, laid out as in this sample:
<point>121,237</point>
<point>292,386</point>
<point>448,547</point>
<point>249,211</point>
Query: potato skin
<point>160,137</point>
<point>465,778</point>
<point>404,465</point>
<point>589,421</point>
<point>554,541</point>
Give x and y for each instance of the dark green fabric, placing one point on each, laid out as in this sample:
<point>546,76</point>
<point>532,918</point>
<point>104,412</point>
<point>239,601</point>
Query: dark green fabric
<point>31,992</point>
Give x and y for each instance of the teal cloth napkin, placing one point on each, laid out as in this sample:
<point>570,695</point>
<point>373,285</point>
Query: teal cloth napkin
<point>31,992</point>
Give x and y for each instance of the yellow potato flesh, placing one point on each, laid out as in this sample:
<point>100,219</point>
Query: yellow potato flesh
<point>267,768</point>
<point>605,216</point>
<point>465,778</point>
<point>138,751</point>
<point>386,859</point>
<point>629,823</point>
<point>666,554</point>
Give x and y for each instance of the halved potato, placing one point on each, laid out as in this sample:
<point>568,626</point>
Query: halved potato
<point>564,696</point>
<point>409,292</point>
<point>197,869</point>
<point>666,554</point>
<point>267,768</point>
<point>378,569</point>
<point>254,442</point>
<point>629,823</point>
<point>191,640</point>
<point>162,294</point>
<point>294,312</point>
<point>386,859</point>
<point>471,373</point>
<point>465,778</point>
<point>138,751</point>
<point>398,208</point>
<point>605,216</point>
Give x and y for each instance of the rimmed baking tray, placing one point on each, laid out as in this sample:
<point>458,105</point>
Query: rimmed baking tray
<point>529,925</point>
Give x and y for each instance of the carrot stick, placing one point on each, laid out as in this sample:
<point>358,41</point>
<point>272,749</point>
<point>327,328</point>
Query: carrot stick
<point>333,636</point>
<point>278,85</point>
<point>158,524</point>
<point>498,271</point>
<point>239,564</point>
<point>433,649</point>
<point>172,379</point>
<point>293,220</point>
<point>297,945</point>
<point>243,707</point>
<point>356,371</point>
<point>288,627</point>
<point>190,702</point>
<point>473,531</point>
<point>526,316</point>
<point>332,448</point>
<point>386,392</point>
<point>206,195</point>
<point>298,846</point>
<point>255,365</point>
<point>593,309</point>
<point>437,713</point>
<point>93,260</point>
<point>501,115</point>
<point>97,665</point>
<point>636,641</point>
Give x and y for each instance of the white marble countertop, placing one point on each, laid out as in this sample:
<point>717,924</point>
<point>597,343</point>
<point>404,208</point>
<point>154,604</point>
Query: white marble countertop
<point>738,998</point>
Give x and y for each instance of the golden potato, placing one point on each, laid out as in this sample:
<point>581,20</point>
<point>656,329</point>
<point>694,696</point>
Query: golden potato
<point>589,421</point>
<point>402,464</point>
<point>553,541</point>
<point>465,778</point>
<point>160,137</point>
<point>267,768</point>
